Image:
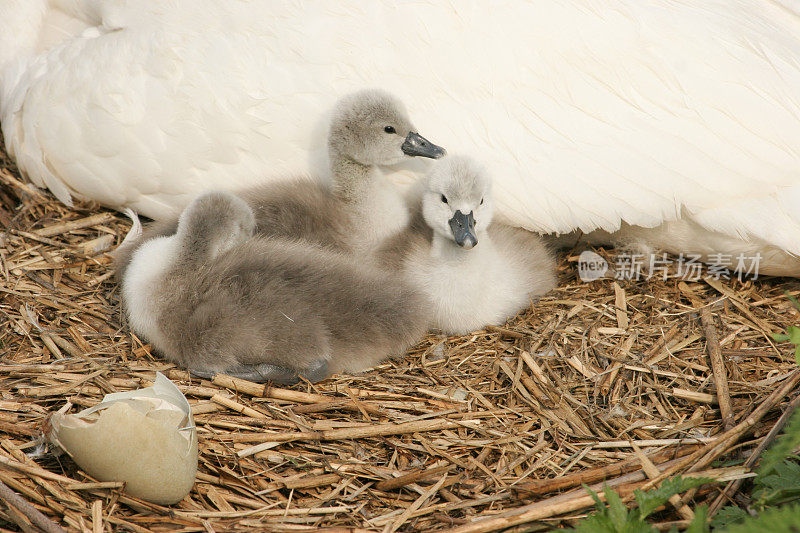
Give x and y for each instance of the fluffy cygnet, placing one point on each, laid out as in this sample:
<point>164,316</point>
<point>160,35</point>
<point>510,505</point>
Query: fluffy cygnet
<point>475,271</point>
<point>369,128</point>
<point>213,298</point>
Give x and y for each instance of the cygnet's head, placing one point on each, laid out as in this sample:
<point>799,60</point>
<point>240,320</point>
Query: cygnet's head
<point>372,127</point>
<point>214,223</point>
<point>457,200</point>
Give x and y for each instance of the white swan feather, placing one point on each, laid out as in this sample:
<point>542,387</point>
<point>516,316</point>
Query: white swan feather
<point>588,113</point>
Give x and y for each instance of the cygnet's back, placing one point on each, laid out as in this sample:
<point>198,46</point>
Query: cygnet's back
<point>475,271</point>
<point>212,299</point>
<point>301,209</point>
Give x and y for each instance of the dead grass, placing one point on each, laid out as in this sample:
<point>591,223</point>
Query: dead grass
<point>598,381</point>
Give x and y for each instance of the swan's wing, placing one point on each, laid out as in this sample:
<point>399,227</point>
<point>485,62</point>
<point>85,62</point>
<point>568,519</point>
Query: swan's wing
<point>684,107</point>
<point>148,106</point>
<point>587,113</point>
<point>588,118</point>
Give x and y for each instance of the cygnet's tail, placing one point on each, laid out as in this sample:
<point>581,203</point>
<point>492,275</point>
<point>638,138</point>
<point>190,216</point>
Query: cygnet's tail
<point>136,229</point>
<point>124,252</point>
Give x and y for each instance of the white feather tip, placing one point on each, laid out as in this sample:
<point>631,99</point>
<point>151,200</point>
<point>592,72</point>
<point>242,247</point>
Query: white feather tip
<point>136,229</point>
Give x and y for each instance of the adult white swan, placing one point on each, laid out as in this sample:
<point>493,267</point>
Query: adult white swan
<point>589,114</point>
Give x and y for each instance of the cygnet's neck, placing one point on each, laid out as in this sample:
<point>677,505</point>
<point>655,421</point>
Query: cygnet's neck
<point>351,180</point>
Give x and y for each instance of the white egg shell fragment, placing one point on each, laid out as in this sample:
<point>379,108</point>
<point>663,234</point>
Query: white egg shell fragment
<point>145,438</point>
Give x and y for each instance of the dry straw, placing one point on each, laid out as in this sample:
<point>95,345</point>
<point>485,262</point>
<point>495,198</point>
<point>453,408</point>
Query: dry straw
<point>622,383</point>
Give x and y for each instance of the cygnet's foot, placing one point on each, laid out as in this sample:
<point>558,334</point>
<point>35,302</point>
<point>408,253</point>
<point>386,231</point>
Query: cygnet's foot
<point>264,372</point>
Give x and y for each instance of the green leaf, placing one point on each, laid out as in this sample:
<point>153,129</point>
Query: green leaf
<point>652,499</point>
<point>792,335</point>
<point>617,511</point>
<point>781,520</point>
<point>598,522</point>
<point>793,332</point>
<point>728,516</point>
<point>792,299</point>
<point>780,486</point>
<point>699,523</point>
<point>598,503</point>
<point>612,517</point>
<point>595,523</point>
<point>784,447</point>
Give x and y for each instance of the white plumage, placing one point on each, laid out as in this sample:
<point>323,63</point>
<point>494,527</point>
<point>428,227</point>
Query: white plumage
<point>474,271</point>
<point>588,113</point>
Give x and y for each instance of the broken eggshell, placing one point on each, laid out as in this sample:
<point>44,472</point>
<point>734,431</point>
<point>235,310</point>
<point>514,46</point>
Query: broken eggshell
<point>145,438</point>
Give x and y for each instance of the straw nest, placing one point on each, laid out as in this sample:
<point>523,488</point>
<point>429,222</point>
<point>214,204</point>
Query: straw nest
<point>617,382</point>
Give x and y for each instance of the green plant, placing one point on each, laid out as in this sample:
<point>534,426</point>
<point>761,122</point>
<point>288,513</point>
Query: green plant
<point>615,517</point>
<point>792,334</point>
<point>777,481</point>
<point>776,485</point>
<point>780,486</point>
<point>784,519</point>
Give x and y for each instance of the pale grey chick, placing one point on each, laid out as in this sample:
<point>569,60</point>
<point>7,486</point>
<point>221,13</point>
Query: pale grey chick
<point>214,298</point>
<point>474,271</point>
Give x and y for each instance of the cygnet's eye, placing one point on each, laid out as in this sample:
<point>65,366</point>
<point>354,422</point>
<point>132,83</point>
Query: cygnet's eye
<point>481,201</point>
<point>444,199</point>
<point>389,129</point>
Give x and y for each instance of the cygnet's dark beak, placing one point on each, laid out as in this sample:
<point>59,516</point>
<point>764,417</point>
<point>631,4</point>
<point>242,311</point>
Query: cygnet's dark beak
<point>463,228</point>
<point>416,145</point>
